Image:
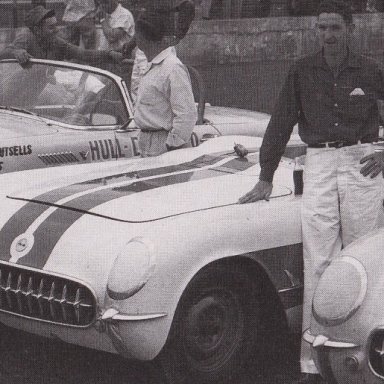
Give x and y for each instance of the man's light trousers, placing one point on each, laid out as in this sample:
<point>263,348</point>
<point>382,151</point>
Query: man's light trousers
<point>339,205</point>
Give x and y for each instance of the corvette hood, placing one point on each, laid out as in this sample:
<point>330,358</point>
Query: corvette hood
<point>19,125</point>
<point>118,202</point>
<point>145,194</point>
<point>153,194</point>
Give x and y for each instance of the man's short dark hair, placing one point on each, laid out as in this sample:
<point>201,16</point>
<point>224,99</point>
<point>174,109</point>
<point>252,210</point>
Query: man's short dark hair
<point>336,6</point>
<point>151,25</point>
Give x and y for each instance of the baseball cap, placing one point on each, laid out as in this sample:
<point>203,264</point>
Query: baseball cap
<point>36,15</point>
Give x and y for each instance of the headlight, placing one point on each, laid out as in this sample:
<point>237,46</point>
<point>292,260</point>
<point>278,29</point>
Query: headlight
<point>131,269</point>
<point>340,292</point>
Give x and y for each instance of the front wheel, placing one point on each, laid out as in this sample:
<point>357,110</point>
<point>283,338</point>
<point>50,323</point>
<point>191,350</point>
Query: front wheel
<point>215,327</point>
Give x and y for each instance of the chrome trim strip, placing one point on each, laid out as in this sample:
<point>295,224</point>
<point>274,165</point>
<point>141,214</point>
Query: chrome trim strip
<point>321,340</point>
<point>114,314</point>
<point>125,317</point>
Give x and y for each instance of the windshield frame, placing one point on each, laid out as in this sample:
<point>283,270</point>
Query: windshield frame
<point>117,80</point>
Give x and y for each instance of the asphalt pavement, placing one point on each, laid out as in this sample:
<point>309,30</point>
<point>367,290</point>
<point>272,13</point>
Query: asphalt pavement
<point>29,359</point>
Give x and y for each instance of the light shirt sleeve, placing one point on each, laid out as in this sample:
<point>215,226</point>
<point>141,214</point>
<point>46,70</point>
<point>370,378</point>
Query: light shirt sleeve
<point>183,107</point>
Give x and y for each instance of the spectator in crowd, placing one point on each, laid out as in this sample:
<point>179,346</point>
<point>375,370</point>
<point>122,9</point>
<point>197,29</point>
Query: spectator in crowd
<point>40,40</point>
<point>117,24</point>
<point>165,110</point>
<point>183,15</point>
<point>79,17</point>
<point>333,96</point>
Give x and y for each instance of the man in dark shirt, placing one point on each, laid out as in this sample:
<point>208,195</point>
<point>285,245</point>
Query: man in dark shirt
<point>40,40</point>
<point>333,96</point>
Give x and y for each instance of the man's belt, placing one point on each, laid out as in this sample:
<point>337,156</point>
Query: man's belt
<point>338,144</point>
<point>145,130</point>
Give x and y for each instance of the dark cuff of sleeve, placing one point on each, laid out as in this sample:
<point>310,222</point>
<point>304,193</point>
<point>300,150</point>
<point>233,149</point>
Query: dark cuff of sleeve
<point>266,174</point>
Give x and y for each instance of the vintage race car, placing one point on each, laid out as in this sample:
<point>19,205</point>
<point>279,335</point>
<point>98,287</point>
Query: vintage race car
<point>347,329</point>
<point>57,113</point>
<point>154,258</point>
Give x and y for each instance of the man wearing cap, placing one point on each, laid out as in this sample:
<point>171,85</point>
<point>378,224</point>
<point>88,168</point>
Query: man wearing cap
<point>165,109</point>
<point>333,96</point>
<point>40,41</point>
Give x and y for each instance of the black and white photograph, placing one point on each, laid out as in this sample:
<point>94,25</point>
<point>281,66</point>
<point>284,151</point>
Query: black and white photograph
<point>191,191</point>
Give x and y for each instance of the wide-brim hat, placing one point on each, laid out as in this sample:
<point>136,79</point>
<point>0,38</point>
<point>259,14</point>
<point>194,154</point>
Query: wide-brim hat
<point>36,15</point>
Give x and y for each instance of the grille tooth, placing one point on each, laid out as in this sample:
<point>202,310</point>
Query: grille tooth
<point>8,290</point>
<point>41,296</point>
<point>63,302</point>
<point>76,305</point>
<point>29,294</point>
<point>19,294</point>
<point>51,301</point>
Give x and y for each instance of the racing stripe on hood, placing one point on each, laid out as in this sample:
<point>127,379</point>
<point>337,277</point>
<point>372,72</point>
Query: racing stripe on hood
<point>28,213</point>
<point>49,225</point>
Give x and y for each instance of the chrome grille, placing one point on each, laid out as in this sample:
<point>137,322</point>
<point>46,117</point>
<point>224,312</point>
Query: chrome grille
<point>45,297</point>
<point>58,158</point>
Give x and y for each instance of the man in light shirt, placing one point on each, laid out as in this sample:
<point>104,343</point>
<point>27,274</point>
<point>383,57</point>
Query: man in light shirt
<point>79,18</point>
<point>117,23</point>
<point>165,108</point>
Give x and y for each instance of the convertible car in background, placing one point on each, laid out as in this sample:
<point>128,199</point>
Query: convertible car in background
<point>347,330</point>
<point>154,258</point>
<point>57,113</point>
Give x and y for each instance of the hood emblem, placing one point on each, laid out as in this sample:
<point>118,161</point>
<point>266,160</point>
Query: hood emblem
<point>21,246</point>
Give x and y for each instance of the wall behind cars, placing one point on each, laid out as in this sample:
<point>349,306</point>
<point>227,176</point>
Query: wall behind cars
<point>244,61</point>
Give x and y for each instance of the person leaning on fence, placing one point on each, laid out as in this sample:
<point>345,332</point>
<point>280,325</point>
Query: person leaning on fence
<point>39,40</point>
<point>165,109</point>
<point>332,95</point>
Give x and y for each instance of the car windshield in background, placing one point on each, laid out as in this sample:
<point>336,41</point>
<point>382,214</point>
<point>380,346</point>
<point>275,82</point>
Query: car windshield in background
<point>71,96</point>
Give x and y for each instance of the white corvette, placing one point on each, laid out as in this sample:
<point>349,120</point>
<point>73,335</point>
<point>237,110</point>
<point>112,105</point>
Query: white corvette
<point>154,257</point>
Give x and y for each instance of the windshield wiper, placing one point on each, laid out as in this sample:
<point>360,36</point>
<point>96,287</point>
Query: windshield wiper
<point>17,109</point>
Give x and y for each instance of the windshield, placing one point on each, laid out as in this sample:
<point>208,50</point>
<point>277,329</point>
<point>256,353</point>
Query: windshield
<point>66,95</point>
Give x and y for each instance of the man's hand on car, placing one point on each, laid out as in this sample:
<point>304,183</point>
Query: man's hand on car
<point>261,191</point>
<point>374,164</point>
<point>22,56</point>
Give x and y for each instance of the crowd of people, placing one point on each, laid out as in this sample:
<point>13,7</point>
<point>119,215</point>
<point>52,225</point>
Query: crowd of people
<point>165,110</point>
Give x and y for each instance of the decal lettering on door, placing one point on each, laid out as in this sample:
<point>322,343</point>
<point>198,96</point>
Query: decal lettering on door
<point>16,150</point>
<point>105,150</point>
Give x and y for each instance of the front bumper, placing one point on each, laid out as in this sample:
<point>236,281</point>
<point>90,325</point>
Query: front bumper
<point>341,362</point>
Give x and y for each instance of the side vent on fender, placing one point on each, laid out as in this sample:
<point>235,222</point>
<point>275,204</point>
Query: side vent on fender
<point>58,158</point>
